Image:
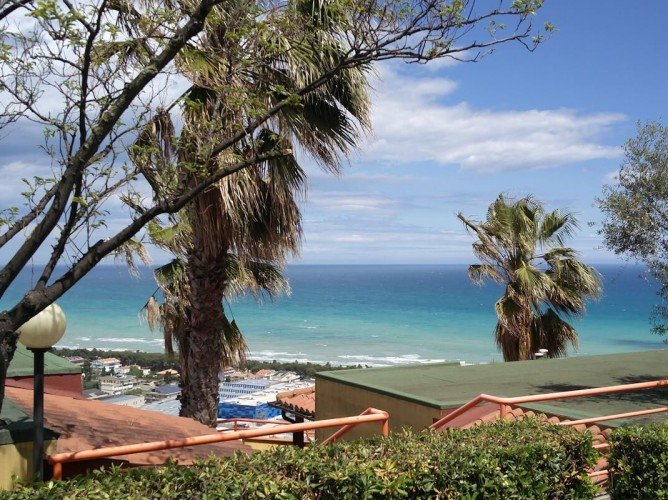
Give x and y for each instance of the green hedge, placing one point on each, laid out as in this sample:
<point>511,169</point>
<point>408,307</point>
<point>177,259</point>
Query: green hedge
<point>639,462</point>
<point>503,460</point>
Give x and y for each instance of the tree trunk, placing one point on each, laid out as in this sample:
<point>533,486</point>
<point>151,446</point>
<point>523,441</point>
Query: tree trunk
<point>8,339</point>
<point>199,391</point>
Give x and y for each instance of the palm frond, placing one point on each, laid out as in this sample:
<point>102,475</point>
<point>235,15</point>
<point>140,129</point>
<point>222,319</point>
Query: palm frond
<point>478,272</point>
<point>234,345</point>
<point>130,252</point>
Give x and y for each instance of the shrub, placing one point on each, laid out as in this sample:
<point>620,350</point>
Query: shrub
<point>639,462</point>
<point>503,460</point>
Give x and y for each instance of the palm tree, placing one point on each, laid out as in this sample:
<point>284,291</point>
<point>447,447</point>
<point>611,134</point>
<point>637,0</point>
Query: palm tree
<point>522,246</point>
<point>251,217</point>
<point>172,313</point>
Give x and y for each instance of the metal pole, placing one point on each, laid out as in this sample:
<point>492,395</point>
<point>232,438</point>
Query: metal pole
<point>298,437</point>
<point>38,415</point>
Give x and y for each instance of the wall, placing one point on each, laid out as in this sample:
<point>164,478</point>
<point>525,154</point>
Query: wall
<point>334,399</point>
<point>16,459</point>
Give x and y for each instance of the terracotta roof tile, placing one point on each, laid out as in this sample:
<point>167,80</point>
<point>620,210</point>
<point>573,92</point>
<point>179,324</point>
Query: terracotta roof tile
<point>85,424</point>
<point>300,400</point>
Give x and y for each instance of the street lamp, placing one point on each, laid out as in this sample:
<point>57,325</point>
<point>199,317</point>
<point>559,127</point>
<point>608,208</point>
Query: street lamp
<point>39,334</point>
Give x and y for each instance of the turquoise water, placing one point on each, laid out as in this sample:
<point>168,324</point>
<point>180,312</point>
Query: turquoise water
<point>375,315</point>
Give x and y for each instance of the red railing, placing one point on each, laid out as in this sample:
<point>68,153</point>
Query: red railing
<point>369,415</point>
<point>240,423</point>
<point>506,403</point>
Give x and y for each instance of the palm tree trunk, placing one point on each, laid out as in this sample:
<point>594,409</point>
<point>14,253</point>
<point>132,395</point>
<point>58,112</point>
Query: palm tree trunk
<point>204,352</point>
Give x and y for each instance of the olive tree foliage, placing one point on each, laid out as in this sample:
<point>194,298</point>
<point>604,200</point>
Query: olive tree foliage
<point>93,74</point>
<point>635,209</point>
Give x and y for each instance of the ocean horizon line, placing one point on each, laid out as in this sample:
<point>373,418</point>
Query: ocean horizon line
<point>405,264</point>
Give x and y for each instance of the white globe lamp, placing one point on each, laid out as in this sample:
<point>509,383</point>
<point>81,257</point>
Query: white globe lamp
<point>39,334</point>
<point>45,329</point>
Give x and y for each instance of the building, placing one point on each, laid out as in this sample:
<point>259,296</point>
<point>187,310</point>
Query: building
<point>106,365</point>
<point>76,360</point>
<point>255,404</point>
<point>167,373</point>
<point>418,395</point>
<point>94,394</point>
<point>16,438</point>
<point>265,373</point>
<point>114,384</point>
<point>242,387</point>
<point>249,406</point>
<point>169,407</point>
<point>80,424</point>
<point>168,392</point>
<point>300,403</point>
<point>134,401</point>
<point>60,375</point>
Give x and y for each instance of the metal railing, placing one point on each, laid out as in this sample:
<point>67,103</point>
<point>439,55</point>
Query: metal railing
<point>369,415</point>
<point>242,423</point>
<point>506,403</point>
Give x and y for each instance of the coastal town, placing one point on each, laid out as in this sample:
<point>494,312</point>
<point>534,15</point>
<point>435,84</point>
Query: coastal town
<point>242,393</point>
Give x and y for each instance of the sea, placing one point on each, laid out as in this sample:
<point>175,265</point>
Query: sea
<point>371,315</point>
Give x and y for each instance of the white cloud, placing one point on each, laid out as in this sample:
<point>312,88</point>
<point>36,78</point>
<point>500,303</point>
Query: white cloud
<point>337,203</point>
<point>611,178</point>
<point>413,124</point>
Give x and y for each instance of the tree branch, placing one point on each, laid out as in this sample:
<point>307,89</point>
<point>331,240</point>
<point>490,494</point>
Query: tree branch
<point>37,299</point>
<point>98,133</point>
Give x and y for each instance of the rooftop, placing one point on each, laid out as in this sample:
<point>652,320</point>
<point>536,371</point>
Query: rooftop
<point>447,385</point>
<point>16,426</point>
<point>107,361</point>
<point>22,364</point>
<point>171,407</point>
<point>168,389</point>
<point>85,424</point>
<point>120,399</point>
<point>301,401</point>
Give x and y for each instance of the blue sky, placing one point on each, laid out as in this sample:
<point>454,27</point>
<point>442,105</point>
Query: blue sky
<point>451,137</point>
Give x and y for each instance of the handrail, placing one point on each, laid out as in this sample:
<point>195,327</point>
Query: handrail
<point>507,401</point>
<point>639,413</point>
<point>251,421</point>
<point>385,429</point>
<point>369,415</point>
<point>237,424</point>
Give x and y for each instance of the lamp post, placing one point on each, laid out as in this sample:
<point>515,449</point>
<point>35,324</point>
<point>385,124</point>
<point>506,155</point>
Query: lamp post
<point>39,334</point>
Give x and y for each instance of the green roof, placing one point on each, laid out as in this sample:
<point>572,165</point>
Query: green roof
<point>449,386</point>
<point>16,426</point>
<point>22,364</point>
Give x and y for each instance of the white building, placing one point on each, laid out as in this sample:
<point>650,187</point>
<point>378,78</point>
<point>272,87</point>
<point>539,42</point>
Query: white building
<point>106,365</point>
<point>117,385</point>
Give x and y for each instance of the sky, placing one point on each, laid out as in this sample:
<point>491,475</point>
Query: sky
<point>450,138</point>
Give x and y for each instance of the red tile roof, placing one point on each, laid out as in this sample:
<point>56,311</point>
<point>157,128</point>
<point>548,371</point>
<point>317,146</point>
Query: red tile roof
<point>299,400</point>
<point>85,424</point>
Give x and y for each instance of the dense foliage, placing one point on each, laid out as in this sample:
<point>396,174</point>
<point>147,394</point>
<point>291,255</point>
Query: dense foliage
<point>158,361</point>
<point>639,462</point>
<point>636,209</point>
<point>525,459</point>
